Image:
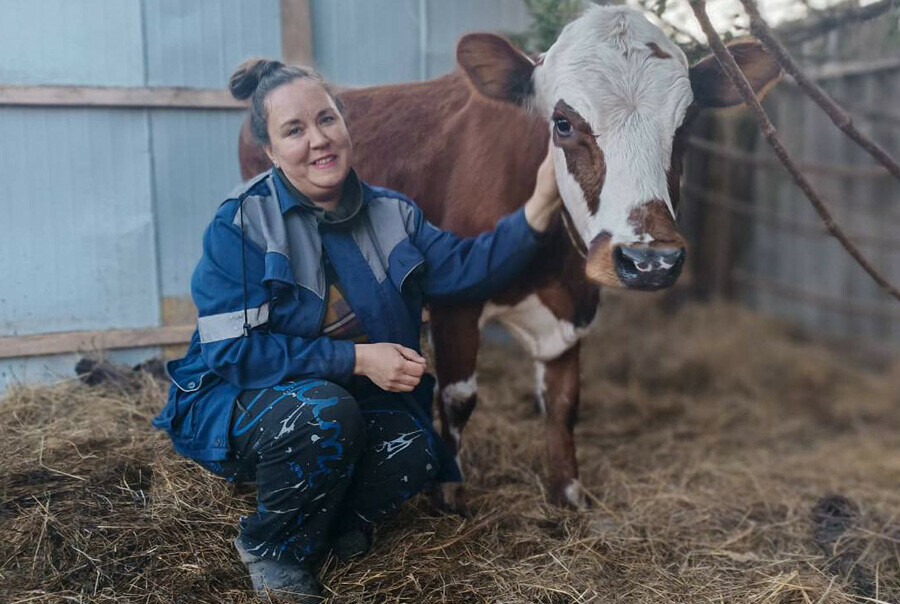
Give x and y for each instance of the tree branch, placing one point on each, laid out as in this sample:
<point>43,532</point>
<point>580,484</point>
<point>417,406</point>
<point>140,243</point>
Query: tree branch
<point>731,68</point>
<point>841,119</point>
<point>821,22</point>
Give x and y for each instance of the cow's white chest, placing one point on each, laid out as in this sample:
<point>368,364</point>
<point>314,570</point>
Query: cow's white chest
<point>534,326</point>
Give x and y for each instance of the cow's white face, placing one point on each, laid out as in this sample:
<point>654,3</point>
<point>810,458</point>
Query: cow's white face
<point>614,91</point>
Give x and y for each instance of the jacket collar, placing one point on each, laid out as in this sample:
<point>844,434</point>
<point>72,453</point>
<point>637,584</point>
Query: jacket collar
<point>350,204</point>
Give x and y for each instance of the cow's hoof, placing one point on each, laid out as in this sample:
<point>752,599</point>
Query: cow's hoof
<point>450,497</point>
<point>569,494</point>
<point>540,407</point>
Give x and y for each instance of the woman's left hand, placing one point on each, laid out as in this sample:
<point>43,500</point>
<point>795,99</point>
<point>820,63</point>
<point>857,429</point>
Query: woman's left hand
<point>545,201</point>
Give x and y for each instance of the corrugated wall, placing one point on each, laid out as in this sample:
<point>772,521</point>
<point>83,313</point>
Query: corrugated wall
<point>106,207</point>
<point>367,42</point>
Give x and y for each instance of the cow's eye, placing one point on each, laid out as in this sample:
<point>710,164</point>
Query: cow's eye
<point>563,127</point>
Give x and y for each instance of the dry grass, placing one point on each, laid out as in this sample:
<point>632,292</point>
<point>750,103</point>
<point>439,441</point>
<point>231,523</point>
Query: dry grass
<point>706,439</point>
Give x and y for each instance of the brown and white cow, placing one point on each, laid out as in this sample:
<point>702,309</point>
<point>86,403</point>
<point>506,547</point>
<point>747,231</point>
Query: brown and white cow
<point>615,95</point>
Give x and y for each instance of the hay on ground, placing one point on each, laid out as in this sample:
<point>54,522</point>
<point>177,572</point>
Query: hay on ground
<point>727,462</point>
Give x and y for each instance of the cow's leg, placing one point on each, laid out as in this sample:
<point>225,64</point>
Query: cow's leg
<point>456,338</point>
<point>550,324</point>
<point>560,393</point>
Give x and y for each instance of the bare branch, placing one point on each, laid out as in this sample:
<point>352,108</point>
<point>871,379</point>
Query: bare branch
<point>730,67</point>
<point>821,22</point>
<point>841,119</point>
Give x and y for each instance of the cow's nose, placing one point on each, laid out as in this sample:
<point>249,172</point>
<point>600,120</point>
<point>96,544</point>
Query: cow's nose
<point>648,268</point>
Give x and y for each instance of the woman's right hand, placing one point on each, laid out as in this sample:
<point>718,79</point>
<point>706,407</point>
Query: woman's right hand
<point>390,366</point>
<point>543,204</point>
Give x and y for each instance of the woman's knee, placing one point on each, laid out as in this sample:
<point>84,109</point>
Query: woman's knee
<point>299,418</point>
<point>338,415</point>
<point>417,474</point>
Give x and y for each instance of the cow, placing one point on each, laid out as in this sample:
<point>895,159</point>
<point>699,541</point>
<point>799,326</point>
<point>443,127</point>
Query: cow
<point>614,96</point>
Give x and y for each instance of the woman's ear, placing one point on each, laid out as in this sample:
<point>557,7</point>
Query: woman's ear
<point>270,154</point>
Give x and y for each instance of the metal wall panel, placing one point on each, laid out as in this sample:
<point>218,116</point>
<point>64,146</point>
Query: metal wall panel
<point>77,238</point>
<point>366,42</point>
<point>200,42</point>
<point>195,166</point>
<point>87,42</point>
<point>448,21</point>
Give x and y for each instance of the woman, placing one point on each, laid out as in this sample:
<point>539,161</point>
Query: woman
<point>304,374</point>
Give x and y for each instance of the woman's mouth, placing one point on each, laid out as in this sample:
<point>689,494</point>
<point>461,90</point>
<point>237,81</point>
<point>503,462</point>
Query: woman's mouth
<point>323,163</point>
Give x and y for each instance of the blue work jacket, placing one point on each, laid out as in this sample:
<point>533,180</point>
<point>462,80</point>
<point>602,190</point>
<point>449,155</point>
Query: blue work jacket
<point>260,292</point>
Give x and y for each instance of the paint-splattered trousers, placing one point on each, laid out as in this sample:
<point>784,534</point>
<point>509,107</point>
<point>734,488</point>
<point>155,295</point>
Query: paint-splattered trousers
<point>324,462</point>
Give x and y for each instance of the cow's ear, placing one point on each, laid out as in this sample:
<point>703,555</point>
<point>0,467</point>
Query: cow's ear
<point>713,88</point>
<point>496,68</point>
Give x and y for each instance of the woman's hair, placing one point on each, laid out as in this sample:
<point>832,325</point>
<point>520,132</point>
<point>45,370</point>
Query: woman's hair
<point>254,79</point>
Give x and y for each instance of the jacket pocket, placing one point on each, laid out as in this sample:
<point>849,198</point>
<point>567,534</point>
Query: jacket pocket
<point>188,373</point>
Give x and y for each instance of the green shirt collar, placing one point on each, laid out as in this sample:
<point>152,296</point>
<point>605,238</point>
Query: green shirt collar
<point>348,206</point>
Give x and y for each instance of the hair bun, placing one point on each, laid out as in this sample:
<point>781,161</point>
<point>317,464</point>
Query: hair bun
<point>246,77</point>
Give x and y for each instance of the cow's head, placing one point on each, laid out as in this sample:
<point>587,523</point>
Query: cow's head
<point>617,94</point>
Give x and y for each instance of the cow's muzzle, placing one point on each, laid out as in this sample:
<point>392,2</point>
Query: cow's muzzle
<point>637,266</point>
<point>648,268</point>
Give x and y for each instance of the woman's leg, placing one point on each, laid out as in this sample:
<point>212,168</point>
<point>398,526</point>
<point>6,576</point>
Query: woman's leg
<point>398,462</point>
<point>299,441</point>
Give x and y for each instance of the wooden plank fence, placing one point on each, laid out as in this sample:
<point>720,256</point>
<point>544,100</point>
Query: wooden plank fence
<point>757,239</point>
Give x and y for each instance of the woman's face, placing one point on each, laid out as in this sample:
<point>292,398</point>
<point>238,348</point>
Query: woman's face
<point>308,139</point>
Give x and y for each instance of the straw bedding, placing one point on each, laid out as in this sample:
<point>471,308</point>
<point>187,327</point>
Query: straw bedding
<point>727,461</point>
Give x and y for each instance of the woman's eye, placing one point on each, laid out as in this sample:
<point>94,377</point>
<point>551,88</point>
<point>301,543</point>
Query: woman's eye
<point>327,119</point>
<point>563,127</point>
<point>295,131</point>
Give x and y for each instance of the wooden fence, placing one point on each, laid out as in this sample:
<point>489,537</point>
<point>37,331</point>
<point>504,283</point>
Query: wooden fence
<point>757,238</point>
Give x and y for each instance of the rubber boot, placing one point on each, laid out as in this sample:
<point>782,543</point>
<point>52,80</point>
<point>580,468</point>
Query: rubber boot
<point>289,581</point>
<point>352,543</point>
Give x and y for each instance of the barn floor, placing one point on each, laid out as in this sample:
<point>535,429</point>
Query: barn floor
<point>728,462</point>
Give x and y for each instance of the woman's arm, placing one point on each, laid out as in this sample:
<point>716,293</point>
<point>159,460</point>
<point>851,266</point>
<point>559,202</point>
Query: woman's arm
<point>474,267</point>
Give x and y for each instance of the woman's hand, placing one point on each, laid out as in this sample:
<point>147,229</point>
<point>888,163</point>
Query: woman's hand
<point>391,367</point>
<point>545,201</point>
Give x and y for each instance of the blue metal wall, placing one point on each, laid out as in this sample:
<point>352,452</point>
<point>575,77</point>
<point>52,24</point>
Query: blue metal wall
<point>107,207</point>
<point>367,42</point>
<point>86,42</point>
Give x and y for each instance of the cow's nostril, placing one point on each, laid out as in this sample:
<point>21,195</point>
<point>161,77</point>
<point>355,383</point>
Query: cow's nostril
<point>648,268</point>
<point>669,258</point>
<point>637,256</point>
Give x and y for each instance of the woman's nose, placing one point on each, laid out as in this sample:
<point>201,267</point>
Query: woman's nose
<point>317,138</point>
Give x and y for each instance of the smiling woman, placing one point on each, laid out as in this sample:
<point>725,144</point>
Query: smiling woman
<point>304,374</point>
<point>309,141</point>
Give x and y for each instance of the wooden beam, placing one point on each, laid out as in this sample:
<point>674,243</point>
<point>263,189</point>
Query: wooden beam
<point>830,71</point>
<point>296,33</point>
<point>89,341</point>
<point>118,96</point>
<point>737,155</point>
